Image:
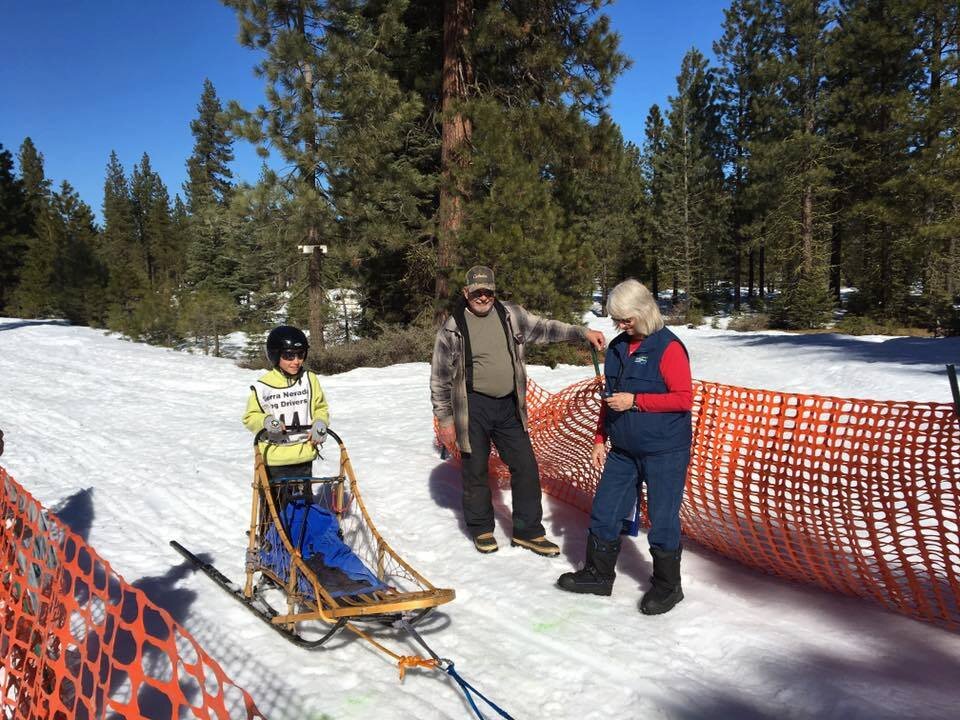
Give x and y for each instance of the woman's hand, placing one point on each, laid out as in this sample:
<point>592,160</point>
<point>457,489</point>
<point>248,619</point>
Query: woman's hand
<point>598,455</point>
<point>620,401</point>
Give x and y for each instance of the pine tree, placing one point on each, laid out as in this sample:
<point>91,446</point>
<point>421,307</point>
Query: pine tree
<point>32,297</point>
<point>35,183</point>
<point>15,226</point>
<point>746,42</point>
<point>693,221</point>
<point>267,252</point>
<point>213,261</point>
<point>120,248</point>
<point>605,202</point>
<point>876,67</point>
<point>934,191</point>
<point>208,167</point>
<point>207,315</point>
<point>78,273</point>
<point>542,71</point>
<point>361,83</point>
<point>208,264</point>
<point>62,276</point>
<point>654,147</point>
<point>789,160</point>
<point>36,295</point>
<point>159,257</point>
<point>293,38</point>
<point>456,131</point>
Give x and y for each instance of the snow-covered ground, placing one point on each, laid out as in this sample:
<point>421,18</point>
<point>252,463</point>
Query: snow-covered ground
<point>134,446</point>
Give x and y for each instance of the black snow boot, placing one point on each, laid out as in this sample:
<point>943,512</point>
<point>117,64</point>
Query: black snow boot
<point>666,591</point>
<point>598,572</point>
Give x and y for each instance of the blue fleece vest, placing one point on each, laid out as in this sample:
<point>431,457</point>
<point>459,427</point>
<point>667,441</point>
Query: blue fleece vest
<point>635,432</point>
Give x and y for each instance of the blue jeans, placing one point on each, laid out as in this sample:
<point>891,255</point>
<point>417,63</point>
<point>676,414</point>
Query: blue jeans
<point>664,474</point>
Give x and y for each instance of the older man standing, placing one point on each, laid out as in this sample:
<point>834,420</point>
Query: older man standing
<point>478,384</point>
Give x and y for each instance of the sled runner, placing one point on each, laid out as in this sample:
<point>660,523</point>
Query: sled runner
<point>314,550</point>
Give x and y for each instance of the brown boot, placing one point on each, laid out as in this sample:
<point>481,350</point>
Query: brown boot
<point>486,543</point>
<point>540,545</point>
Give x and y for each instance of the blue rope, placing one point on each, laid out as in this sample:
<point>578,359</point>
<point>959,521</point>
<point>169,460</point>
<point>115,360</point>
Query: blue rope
<point>447,665</point>
<point>467,687</point>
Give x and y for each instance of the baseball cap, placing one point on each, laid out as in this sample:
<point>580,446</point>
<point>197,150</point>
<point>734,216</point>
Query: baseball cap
<point>480,276</point>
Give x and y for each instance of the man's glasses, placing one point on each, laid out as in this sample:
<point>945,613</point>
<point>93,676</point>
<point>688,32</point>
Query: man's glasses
<point>621,321</point>
<point>293,354</point>
<point>481,292</point>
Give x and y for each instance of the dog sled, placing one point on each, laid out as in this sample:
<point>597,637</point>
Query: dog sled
<point>315,562</point>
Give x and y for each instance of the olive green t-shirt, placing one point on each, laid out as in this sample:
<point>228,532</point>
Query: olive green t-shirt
<point>492,367</point>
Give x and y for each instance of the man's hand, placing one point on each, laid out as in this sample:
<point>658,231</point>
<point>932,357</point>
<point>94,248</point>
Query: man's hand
<point>596,338</point>
<point>598,455</point>
<point>448,434</point>
<point>620,401</point>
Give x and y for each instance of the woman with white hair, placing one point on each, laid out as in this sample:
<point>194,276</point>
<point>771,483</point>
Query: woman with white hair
<point>646,417</point>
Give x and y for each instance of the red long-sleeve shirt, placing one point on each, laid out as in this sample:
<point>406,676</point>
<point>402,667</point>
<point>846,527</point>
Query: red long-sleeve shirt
<point>675,370</point>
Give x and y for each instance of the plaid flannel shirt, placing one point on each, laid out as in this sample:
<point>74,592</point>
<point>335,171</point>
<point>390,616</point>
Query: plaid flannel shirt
<point>448,383</point>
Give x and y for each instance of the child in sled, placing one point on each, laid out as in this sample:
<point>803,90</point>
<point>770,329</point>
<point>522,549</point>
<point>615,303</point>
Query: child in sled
<point>288,396</point>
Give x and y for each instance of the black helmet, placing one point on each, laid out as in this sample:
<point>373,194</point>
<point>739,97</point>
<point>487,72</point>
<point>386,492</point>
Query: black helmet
<point>283,338</point>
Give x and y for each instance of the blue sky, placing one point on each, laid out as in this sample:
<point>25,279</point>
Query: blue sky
<point>84,78</point>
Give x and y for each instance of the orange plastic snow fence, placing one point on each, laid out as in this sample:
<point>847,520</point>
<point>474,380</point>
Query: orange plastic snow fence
<point>857,496</point>
<point>79,642</point>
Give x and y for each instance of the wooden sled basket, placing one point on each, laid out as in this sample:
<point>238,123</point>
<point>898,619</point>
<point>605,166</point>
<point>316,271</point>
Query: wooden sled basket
<point>312,539</point>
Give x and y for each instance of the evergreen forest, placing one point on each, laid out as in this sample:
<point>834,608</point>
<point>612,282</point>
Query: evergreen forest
<point>820,151</point>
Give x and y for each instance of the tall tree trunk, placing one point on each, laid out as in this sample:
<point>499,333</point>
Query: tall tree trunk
<point>953,256</point>
<point>455,134</point>
<point>806,233</point>
<point>807,262</point>
<point>309,175</point>
<point>737,269</point>
<point>761,273</point>
<point>836,258</point>
<point>315,284</point>
<point>751,259</point>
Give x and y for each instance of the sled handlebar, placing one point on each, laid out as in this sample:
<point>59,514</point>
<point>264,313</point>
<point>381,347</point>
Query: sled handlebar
<point>293,430</point>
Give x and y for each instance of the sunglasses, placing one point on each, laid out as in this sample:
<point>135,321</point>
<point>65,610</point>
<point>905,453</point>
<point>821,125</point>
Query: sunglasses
<point>293,354</point>
<point>481,292</point>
